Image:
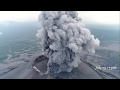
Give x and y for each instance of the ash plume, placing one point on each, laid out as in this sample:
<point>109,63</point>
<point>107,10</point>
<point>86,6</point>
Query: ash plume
<point>64,37</point>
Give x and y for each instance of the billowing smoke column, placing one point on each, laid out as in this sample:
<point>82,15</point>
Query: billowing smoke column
<point>64,36</point>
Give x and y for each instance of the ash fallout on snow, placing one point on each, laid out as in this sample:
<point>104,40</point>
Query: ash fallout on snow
<point>64,37</point>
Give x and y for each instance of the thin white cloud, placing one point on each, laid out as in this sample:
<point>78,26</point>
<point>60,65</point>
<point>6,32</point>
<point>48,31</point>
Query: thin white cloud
<point>110,17</point>
<point>19,15</point>
<point>1,33</point>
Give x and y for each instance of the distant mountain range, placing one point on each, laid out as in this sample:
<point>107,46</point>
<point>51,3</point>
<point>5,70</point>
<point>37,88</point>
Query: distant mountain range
<point>102,31</point>
<point>98,23</point>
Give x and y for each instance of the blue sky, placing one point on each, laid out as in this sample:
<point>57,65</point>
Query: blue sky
<point>109,17</point>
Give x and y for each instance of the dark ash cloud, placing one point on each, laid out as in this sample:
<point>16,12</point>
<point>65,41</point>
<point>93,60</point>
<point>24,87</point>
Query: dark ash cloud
<point>64,37</point>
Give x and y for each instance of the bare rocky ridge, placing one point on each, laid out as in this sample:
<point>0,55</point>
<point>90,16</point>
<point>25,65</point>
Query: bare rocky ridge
<point>26,71</point>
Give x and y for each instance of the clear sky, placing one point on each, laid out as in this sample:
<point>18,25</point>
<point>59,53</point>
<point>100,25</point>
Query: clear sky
<point>109,17</point>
